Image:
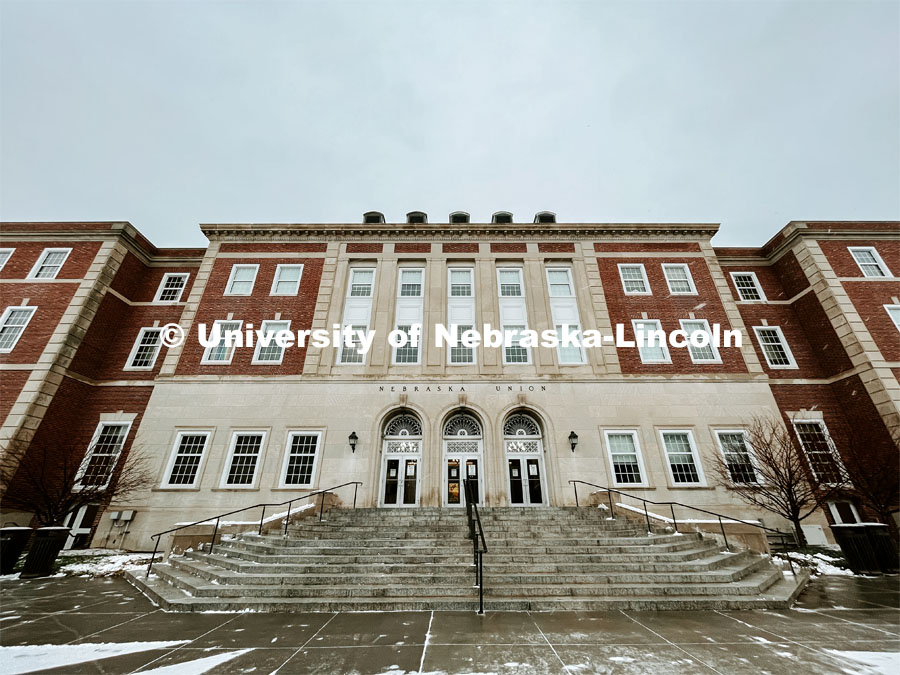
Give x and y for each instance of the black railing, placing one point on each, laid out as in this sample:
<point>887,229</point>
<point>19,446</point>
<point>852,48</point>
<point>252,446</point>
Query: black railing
<point>476,534</point>
<point>287,518</point>
<point>609,492</point>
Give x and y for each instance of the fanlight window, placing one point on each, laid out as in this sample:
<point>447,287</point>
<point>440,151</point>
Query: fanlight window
<point>403,425</point>
<point>521,425</point>
<point>462,425</point>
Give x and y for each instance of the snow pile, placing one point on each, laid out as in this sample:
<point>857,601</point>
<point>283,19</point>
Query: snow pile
<point>100,562</point>
<point>816,563</point>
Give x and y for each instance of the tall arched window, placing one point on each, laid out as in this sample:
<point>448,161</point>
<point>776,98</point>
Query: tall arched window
<point>462,457</point>
<point>524,446</point>
<point>401,460</point>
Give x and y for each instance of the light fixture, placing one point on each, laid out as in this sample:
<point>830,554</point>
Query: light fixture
<point>353,438</point>
<point>573,440</point>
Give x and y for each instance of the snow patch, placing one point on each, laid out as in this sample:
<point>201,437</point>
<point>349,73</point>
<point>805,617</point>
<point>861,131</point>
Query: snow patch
<point>28,658</point>
<point>197,666</point>
<point>882,662</point>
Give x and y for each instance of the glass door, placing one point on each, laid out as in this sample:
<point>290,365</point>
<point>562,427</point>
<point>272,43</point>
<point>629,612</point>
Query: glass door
<point>526,481</point>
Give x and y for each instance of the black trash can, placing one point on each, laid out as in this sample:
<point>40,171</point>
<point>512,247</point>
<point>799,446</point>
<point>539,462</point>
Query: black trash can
<point>48,542</point>
<point>868,547</point>
<point>13,541</point>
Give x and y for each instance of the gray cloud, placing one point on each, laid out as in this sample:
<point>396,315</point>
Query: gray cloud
<point>172,113</point>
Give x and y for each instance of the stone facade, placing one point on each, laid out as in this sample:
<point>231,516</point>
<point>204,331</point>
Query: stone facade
<point>70,371</point>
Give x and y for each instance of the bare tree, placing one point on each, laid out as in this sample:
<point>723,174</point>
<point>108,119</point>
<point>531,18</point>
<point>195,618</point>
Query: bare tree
<point>778,475</point>
<point>52,481</point>
<point>873,471</point>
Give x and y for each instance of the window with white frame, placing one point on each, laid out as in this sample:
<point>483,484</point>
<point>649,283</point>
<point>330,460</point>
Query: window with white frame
<point>300,459</point>
<point>361,282</point>
<point>707,351</point>
<point>634,279</point>
<point>223,350</point>
<point>268,351</point>
<point>513,314</point>
<point>287,280</point>
<point>12,325</point>
<point>820,451</point>
<point>357,313</point>
<point>679,279</point>
<point>565,315</point>
<point>844,513</point>
<point>411,283</point>
<point>351,351</point>
<point>243,458</point>
<point>684,466</point>
<point>5,255</point>
<point>748,287</point>
<point>241,280</point>
<point>50,263</point>
<point>171,288</point>
<point>625,457</point>
<point>870,263</point>
<point>96,469</point>
<point>894,312</point>
<point>461,312</point>
<point>409,313</point>
<point>775,347</point>
<point>738,458</point>
<point>510,282</point>
<point>184,466</point>
<point>516,352</point>
<point>651,341</point>
<point>146,349</point>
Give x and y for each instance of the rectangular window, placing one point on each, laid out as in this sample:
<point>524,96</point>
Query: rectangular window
<point>408,353</point>
<point>624,455</point>
<point>461,354</point>
<point>737,456</point>
<point>243,458</point>
<point>287,280</point>
<point>5,255</point>
<point>223,351</point>
<point>869,261</point>
<point>565,315</point>
<point>460,283</point>
<point>707,353</point>
<point>634,279</point>
<point>515,353</point>
<point>560,283</point>
<point>747,286</point>
<point>411,283</point>
<point>186,457</point>
<point>12,325</point>
<point>272,353</point>
<point>353,353</point>
<point>300,460</point>
<point>171,288</point>
<point>50,263</point>
<point>679,279</point>
<point>241,280</point>
<point>820,451</point>
<point>146,349</point>
<point>774,347</point>
<point>683,465</point>
<point>96,469</point>
<point>510,283</point>
<point>651,341</point>
<point>361,281</point>
<point>894,312</point>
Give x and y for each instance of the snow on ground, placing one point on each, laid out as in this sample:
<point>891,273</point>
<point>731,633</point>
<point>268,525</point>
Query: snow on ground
<point>28,658</point>
<point>882,662</point>
<point>817,563</point>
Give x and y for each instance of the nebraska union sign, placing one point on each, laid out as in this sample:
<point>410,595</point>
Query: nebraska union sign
<point>456,388</point>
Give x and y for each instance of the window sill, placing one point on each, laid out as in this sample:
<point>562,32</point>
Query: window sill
<point>175,489</point>
<point>692,487</point>
<point>235,488</point>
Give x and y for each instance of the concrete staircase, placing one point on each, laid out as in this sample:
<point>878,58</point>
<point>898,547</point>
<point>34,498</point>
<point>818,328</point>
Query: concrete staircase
<point>538,559</point>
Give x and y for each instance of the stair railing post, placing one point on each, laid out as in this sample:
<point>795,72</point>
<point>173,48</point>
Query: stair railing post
<point>674,522</point>
<point>612,514</point>
<point>287,518</point>
<point>355,488</point>
<point>213,542</point>
<point>575,487</point>
<point>724,536</point>
<point>322,507</point>
<point>647,516</point>
<point>152,558</point>
<point>480,584</point>
<point>262,517</point>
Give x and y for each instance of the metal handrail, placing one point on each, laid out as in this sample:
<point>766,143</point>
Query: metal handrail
<point>287,518</point>
<point>672,506</point>
<point>474,519</point>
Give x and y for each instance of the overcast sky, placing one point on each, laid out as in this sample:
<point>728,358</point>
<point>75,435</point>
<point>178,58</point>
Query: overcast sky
<point>169,114</point>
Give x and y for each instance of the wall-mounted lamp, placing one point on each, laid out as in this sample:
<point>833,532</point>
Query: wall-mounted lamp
<point>353,438</point>
<point>573,440</point>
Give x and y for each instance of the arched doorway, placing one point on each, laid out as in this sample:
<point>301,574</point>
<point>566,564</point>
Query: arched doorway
<point>401,460</point>
<point>463,445</point>
<point>524,448</point>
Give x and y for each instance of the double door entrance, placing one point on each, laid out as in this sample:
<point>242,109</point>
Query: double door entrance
<point>401,481</point>
<point>526,481</point>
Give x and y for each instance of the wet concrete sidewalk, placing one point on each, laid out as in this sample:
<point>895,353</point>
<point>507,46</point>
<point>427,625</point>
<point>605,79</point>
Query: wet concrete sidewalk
<point>64,625</point>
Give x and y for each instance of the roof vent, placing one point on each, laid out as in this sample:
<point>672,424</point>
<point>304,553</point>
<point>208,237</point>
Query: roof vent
<point>502,217</point>
<point>459,217</point>
<point>373,217</point>
<point>545,217</point>
<point>416,217</point>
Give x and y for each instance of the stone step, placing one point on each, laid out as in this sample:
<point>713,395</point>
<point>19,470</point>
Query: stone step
<point>337,530</point>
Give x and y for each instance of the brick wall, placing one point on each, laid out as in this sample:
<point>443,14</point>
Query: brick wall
<point>412,247</point>
<point>869,299</point>
<point>460,248</point>
<point>508,247</point>
<point>838,255</point>
<point>308,247</point>
<point>139,283</point>
<point>656,246</point>
<point>51,300</point>
<point>11,384</point>
<point>364,247</point>
<point>556,247</point>
<point>27,254</point>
